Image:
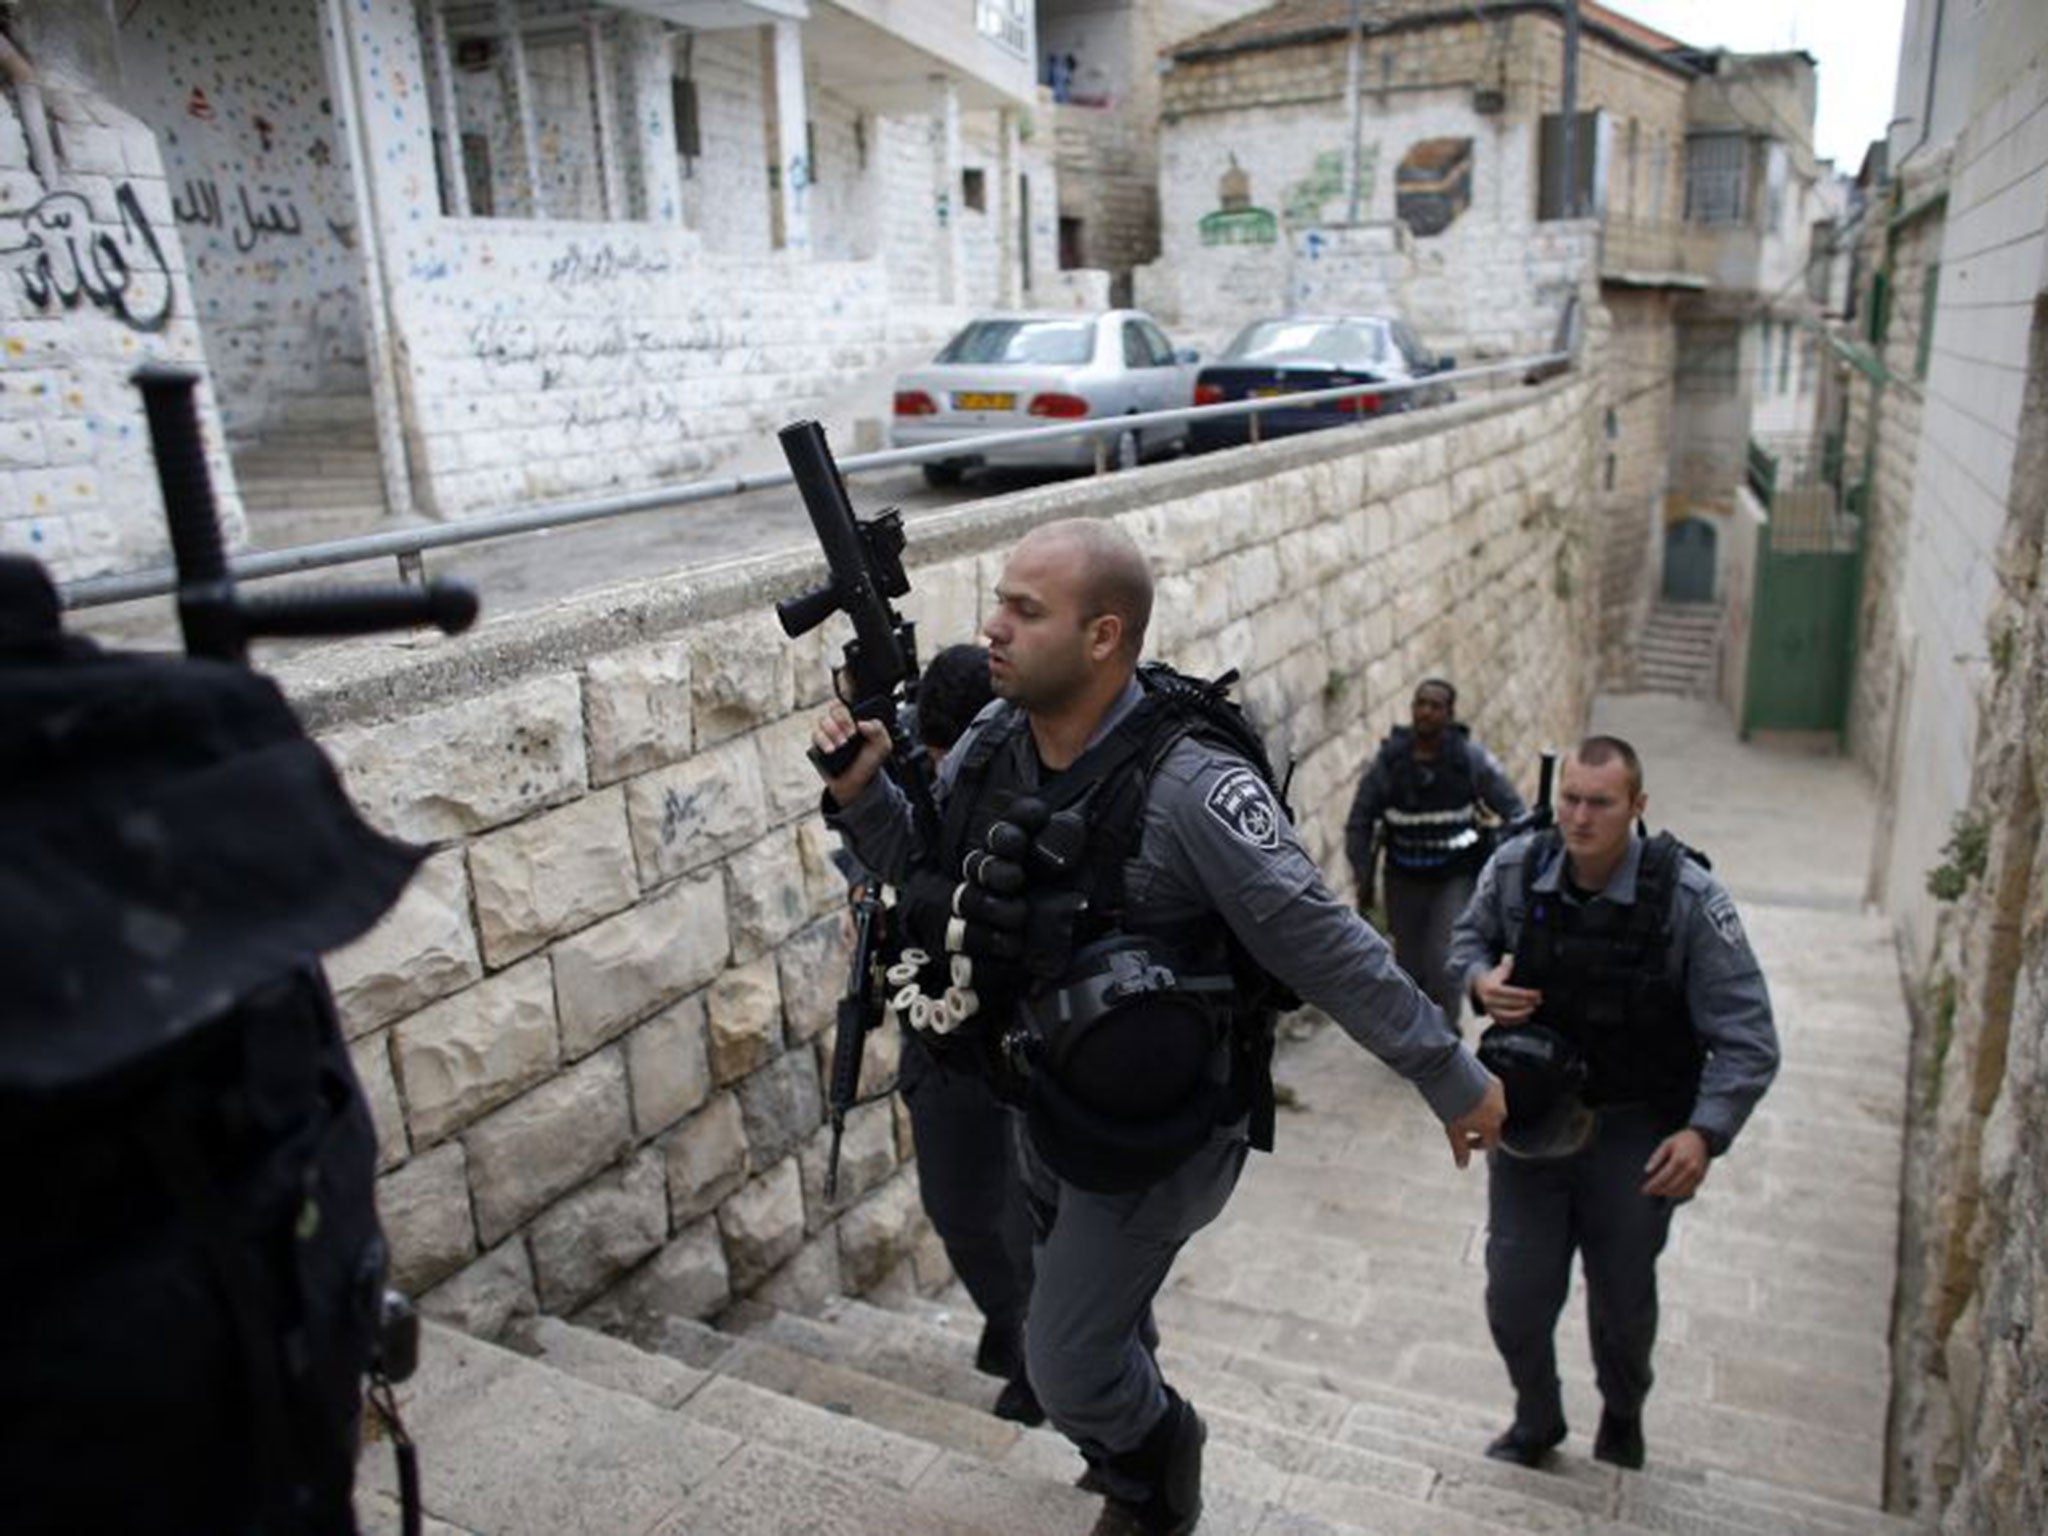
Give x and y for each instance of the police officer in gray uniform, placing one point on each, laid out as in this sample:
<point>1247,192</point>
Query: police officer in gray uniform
<point>1426,785</point>
<point>1186,884</point>
<point>1616,966</point>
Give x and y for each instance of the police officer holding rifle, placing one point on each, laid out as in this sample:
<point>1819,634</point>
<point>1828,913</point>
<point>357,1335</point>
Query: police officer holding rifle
<point>1112,907</point>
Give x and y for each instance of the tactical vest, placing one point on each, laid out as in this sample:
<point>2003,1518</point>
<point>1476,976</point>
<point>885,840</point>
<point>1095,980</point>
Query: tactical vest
<point>1432,817</point>
<point>1603,969</point>
<point>1109,783</point>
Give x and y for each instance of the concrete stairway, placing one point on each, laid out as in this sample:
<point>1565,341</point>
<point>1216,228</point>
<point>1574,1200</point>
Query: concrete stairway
<point>1676,650</point>
<point>314,471</point>
<point>1330,1327</point>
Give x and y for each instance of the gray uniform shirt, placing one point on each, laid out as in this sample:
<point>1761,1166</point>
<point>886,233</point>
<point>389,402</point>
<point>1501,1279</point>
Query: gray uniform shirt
<point>1214,841</point>
<point>1709,957</point>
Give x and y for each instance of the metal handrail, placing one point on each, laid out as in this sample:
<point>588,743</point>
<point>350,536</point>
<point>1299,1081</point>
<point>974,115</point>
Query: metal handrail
<point>406,545</point>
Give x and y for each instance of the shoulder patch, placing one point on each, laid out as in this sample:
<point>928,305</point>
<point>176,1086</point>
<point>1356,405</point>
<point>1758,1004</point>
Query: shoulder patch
<point>1240,800</point>
<point>1721,913</point>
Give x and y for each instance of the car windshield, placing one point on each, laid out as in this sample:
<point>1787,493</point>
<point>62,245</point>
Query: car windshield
<point>1273,341</point>
<point>1022,341</point>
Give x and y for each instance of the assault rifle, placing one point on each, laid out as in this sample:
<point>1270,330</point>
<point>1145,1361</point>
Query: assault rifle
<point>1539,815</point>
<point>878,681</point>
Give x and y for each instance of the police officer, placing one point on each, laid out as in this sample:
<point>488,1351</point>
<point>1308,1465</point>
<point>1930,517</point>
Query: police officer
<point>1619,960</point>
<point>967,1174</point>
<point>1163,889</point>
<point>1426,785</point>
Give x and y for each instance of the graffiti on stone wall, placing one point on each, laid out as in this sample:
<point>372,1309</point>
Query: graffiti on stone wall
<point>1325,184</point>
<point>200,203</point>
<point>1433,185</point>
<point>1236,221</point>
<point>626,352</point>
<point>62,256</point>
<point>581,267</point>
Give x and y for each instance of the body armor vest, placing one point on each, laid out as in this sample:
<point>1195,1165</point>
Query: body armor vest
<point>1606,982</point>
<point>1432,818</point>
<point>1108,784</point>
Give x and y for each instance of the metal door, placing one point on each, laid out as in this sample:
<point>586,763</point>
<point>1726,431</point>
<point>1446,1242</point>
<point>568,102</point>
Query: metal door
<point>1689,561</point>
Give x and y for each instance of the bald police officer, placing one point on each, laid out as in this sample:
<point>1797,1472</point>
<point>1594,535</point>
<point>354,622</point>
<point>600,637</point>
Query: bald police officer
<point>1188,884</point>
<point>1624,953</point>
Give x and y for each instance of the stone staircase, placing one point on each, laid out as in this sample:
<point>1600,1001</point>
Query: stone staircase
<point>1330,1327</point>
<point>314,472</point>
<point>1676,651</point>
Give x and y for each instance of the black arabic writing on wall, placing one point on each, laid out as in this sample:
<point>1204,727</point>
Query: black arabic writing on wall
<point>62,257</point>
<point>200,203</point>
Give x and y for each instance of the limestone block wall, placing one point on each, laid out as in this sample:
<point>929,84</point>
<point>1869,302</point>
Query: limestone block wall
<point>93,283</point>
<point>1967,867</point>
<point>594,1031</point>
<point>1634,475</point>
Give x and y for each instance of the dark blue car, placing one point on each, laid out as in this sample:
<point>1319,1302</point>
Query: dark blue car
<point>1273,358</point>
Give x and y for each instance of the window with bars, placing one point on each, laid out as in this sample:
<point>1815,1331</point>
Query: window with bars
<point>1716,178</point>
<point>1005,22</point>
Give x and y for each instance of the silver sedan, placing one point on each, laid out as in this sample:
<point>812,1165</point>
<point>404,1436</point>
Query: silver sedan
<point>1006,372</point>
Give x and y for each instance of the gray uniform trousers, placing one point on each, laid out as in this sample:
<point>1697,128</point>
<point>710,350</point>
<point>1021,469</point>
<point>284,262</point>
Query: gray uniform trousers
<point>1421,914</point>
<point>1538,1213</point>
<point>1099,1260</point>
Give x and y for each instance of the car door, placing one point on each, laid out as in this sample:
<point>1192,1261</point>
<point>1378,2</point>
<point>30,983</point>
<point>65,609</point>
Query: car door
<point>1154,374</point>
<point>1418,362</point>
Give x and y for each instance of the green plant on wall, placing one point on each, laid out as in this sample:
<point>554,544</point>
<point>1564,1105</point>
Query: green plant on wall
<point>1941,1011</point>
<point>1962,857</point>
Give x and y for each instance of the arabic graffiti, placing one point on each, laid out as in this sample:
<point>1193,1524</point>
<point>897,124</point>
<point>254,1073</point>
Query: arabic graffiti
<point>200,203</point>
<point>578,268</point>
<point>61,256</point>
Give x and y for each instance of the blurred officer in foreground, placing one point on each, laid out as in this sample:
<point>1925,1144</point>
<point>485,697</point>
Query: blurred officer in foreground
<point>1115,905</point>
<point>1634,1032</point>
<point>1426,786</point>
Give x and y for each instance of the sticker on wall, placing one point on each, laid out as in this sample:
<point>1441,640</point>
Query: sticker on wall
<point>196,105</point>
<point>1433,185</point>
<point>1236,221</point>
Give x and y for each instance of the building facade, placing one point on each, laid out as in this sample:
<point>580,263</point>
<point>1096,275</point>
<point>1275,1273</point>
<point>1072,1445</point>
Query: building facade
<point>459,256</point>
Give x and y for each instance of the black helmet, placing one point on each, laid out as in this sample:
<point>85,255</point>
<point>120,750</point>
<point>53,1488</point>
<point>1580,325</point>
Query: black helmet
<point>1123,1065</point>
<point>1544,1075</point>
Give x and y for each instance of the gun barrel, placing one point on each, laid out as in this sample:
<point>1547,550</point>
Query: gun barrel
<point>824,493</point>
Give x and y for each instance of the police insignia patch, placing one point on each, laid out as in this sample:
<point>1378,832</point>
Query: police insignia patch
<point>1239,800</point>
<point>1722,915</point>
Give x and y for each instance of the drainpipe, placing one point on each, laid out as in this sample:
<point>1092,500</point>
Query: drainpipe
<point>1927,102</point>
<point>35,123</point>
<point>1568,125</point>
<point>386,395</point>
<point>1354,66</point>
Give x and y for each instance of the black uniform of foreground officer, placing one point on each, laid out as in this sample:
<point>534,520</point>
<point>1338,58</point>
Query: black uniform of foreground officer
<point>1117,978</point>
<point>1426,785</point>
<point>967,1171</point>
<point>1619,963</point>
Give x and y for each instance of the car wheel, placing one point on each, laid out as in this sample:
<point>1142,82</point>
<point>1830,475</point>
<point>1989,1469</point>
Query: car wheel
<point>1126,454</point>
<point>942,474</point>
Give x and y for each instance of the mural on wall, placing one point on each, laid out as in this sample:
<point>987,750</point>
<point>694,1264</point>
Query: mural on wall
<point>1236,221</point>
<point>1305,199</point>
<point>1433,185</point>
<point>237,95</point>
<point>63,257</point>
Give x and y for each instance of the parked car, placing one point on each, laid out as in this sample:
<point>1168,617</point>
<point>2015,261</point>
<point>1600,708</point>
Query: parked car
<point>1005,372</point>
<point>1310,352</point>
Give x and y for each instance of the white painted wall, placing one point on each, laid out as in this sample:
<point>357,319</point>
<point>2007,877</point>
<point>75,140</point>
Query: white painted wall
<point>1994,267</point>
<point>238,98</point>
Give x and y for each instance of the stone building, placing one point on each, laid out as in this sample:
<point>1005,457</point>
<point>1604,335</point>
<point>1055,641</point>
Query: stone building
<point>444,257</point>
<point>1099,60</point>
<point>1946,361</point>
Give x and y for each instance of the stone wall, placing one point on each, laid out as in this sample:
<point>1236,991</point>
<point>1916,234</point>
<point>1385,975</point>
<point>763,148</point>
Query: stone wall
<point>595,1029</point>
<point>1633,472</point>
<point>93,283</point>
<point>1967,866</point>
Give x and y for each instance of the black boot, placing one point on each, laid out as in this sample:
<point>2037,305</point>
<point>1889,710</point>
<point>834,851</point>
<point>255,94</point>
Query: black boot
<point>1018,1403</point>
<point>1526,1446</point>
<point>1620,1440</point>
<point>1168,1462</point>
<point>1001,1350</point>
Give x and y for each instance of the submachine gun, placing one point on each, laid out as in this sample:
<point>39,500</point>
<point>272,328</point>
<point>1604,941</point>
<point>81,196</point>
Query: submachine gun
<point>196,1281</point>
<point>878,681</point>
<point>1539,815</point>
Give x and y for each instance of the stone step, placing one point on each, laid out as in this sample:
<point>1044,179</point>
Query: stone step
<point>301,494</point>
<point>1236,1388</point>
<point>327,410</point>
<point>319,457</point>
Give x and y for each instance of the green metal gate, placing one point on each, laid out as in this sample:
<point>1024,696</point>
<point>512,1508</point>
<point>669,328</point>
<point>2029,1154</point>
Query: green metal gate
<point>1803,625</point>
